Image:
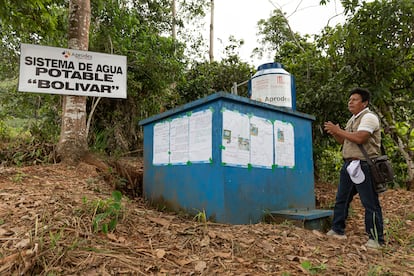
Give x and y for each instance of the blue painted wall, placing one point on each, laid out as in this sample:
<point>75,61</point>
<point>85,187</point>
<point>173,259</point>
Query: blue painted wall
<point>229,194</point>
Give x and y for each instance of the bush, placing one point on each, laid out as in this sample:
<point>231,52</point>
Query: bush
<point>328,165</point>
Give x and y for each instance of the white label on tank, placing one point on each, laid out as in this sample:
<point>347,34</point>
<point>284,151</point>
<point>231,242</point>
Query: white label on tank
<point>273,89</point>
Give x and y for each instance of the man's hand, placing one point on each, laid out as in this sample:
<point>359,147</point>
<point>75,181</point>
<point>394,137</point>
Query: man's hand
<point>358,137</point>
<point>331,128</point>
<point>334,130</point>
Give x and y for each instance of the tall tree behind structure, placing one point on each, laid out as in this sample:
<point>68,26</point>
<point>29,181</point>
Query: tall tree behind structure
<point>73,137</point>
<point>174,16</point>
<point>211,52</point>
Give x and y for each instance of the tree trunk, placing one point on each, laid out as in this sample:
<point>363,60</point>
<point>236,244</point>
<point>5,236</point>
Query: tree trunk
<point>399,142</point>
<point>409,162</point>
<point>73,137</point>
<point>212,31</point>
<point>174,16</point>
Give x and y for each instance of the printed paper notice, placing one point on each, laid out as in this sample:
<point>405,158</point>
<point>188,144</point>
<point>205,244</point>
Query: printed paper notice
<point>236,138</point>
<point>261,137</point>
<point>179,142</point>
<point>284,144</point>
<point>161,144</point>
<point>201,136</point>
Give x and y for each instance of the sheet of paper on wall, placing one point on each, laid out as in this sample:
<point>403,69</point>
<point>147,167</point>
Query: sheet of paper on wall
<point>200,149</point>
<point>179,140</point>
<point>261,136</point>
<point>161,146</point>
<point>236,139</point>
<point>284,144</point>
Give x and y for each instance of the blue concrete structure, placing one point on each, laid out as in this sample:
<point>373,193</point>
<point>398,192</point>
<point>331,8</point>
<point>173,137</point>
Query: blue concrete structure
<point>233,194</point>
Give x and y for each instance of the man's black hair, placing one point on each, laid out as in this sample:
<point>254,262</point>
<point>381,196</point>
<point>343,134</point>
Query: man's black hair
<point>364,93</point>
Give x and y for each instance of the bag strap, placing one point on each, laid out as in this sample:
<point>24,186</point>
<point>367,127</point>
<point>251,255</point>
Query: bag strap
<point>382,147</point>
<point>361,147</point>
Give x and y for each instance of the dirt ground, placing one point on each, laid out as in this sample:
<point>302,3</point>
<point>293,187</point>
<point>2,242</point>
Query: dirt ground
<point>46,228</point>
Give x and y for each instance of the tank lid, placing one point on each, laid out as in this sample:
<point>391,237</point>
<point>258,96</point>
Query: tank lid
<point>269,65</point>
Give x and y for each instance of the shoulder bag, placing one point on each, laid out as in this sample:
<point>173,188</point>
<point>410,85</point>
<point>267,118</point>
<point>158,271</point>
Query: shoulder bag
<point>381,171</point>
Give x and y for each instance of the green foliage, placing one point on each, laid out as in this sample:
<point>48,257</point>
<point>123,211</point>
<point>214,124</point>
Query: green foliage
<point>375,270</point>
<point>4,131</point>
<point>106,213</point>
<point>132,28</point>
<point>55,238</point>
<point>313,269</point>
<point>18,177</point>
<point>398,163</point>
<point>155,64</point>
<point>15,13</point>
<point>406,132</point>
<point>394,230</point>
<point>274,33</point>
<point>47,24</point>
<point>26,142</point>
<point>380,48</point>
<point>201,217</point>
<point>373,49</point>
<point>317,92</point>
<point>157,68</point>
<point>207,78</point>
<point>100,140</point>
<point>29,127</point>
<point>329,164</point>
<point>378,45</point>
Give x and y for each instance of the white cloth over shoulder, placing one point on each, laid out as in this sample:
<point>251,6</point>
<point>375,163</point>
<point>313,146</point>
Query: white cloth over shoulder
<point>355,172</point>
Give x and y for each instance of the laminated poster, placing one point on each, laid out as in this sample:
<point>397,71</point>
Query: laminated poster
<point>261,136</point>
<point>284,144</point>
<point>179,140</point>
<point>201,136</point>
<point>255,141</point>
<point>161,145</point>
<point>236,139</point>
<point>184,139</point>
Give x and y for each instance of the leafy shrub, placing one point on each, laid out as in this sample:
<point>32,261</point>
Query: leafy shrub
<point>106,213</point>
<point>328,165</point>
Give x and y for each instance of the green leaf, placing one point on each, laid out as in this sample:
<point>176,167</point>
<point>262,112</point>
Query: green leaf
<point>402,128</point>
<point>105,228</point>
<point>306,265</point>
<point>117,196</point>
<point>112,224</point>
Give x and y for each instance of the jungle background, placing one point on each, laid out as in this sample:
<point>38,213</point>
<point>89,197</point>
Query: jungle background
<point>59,219</point>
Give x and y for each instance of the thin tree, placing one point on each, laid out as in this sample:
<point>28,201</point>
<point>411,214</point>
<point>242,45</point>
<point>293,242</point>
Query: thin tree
<point>211,52</point>
<point>73,137</point>
<point>174,16</point>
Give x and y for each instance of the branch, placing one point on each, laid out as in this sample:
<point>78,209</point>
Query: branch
<point>88,124</point>
<point>287,23</point>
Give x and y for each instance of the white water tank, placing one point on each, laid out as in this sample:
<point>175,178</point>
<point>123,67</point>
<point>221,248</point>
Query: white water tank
<point>273,85</point>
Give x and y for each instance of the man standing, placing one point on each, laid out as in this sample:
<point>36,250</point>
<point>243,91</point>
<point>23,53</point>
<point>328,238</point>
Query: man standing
<point>355,175</point>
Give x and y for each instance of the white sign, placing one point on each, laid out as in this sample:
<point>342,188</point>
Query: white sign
<point>53,70</point>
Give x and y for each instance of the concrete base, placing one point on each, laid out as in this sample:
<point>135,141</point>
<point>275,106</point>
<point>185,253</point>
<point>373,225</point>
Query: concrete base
<point>309,219</point>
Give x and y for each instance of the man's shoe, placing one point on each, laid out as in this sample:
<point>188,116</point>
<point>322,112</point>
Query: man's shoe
<point>336,235</point>
<point>373,244</point>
